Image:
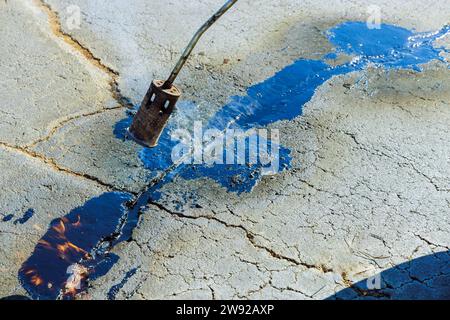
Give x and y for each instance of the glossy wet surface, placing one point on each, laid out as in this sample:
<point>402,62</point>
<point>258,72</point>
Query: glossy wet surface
<point>76,237</point>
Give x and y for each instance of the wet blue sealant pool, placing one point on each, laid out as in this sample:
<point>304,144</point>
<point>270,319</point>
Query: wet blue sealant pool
<point>104,221</point>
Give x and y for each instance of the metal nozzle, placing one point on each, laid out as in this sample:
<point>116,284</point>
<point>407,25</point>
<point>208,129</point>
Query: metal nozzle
<point>161,97</point>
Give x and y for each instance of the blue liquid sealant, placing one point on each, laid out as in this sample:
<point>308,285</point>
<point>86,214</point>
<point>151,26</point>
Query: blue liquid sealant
<point>26,216</point>
<point>8,218</point>
<point>390,46</point>
<point>70,240</point>
<point>280,97</point>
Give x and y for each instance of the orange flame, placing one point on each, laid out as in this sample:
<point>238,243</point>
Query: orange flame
<point>60,228</point>
<point>36,280</point>
<point>78,249</point>
<point>31,271</point>
<point>45,244</point>
<point>71,291</point>
<point>73,283</point>
<point>62,247</point>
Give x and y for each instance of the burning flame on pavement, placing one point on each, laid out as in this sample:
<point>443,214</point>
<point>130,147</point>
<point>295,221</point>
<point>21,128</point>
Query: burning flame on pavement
<point>70,251</point>
<point>78,274</point>
<point>67,251</point>
<point>36,280</point>
<point>60,228</point>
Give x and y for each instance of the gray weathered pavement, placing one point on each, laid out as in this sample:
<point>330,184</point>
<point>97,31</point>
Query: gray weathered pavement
<point>370,183</point>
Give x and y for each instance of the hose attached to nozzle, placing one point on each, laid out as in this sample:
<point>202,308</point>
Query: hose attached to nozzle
<point>162,96</point>
<point>193,42</point>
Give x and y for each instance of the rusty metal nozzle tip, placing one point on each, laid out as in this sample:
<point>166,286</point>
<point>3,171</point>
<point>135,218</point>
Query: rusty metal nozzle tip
<point>160,100</point>
<point>153,114</point>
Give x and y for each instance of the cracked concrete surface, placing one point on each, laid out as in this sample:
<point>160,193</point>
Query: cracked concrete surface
<point>42,78</point>
<point>370,184</point>
<point>320,226</point>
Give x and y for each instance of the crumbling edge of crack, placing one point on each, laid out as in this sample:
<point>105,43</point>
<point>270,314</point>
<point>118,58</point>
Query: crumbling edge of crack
<point>56,30</point>
<point>82,52</point>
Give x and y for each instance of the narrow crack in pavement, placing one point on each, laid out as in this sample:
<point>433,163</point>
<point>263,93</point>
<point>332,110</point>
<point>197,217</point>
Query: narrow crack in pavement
<point>69,119</point>
<point>55,24</point>
<point>52,164</point>
<point>250,237</point>
<point>56,29</point>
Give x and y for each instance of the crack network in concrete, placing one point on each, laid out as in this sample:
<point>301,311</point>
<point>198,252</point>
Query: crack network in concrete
<point>249,235</point>
<point>123,102</point>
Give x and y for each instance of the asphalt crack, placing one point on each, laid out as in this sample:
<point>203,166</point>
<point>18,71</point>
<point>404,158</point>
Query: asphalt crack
<point>123,102</point>
<point>51,163</point>
<point>250,237</point>
<point>113,75</point>
<point>62,123</point>
<point>56,27</point>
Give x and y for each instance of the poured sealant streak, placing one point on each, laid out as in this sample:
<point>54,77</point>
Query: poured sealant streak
<point>26,216</point>
<point>115,289</point>
<point>283,96</point>
<point>103,222</point>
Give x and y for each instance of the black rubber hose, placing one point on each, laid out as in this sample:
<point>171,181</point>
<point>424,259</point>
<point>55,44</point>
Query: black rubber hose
<point>193,42</point>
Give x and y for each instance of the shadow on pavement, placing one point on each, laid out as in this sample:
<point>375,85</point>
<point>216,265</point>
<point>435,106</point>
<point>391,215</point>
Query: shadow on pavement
<point>425,278</point>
